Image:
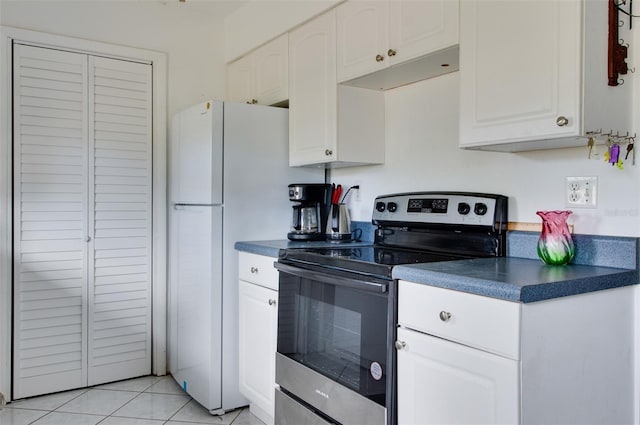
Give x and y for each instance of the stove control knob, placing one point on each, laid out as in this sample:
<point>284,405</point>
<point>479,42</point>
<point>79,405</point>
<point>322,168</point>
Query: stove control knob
<point>380,206</point>
<point>480,208</point>
<point>464,208</point>
<point>392,207</point>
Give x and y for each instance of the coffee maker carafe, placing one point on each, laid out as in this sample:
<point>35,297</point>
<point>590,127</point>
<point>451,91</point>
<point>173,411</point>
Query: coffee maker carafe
<point>310,211</point>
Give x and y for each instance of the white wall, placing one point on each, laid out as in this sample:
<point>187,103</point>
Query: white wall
<point>422,154</point>
<point>421,133</point>
<point>191,34</point>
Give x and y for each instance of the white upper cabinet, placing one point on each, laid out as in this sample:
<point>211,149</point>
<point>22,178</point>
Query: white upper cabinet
<point>312,91</point>
<point>363,37</point>
<point>240,80</point>
<point>420,27</point>
<point>329,124</point>
<point>533,74</point>
<point>373,36</point>
<point>262,75</point>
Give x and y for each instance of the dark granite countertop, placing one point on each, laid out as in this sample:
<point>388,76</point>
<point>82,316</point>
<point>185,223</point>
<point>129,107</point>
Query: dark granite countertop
<point>509,278</point>
<point>516,279</point>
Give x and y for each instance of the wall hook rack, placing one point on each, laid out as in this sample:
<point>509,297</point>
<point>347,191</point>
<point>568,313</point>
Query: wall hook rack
<point>620,4</point>
<point>614,143</point>
<point>617,52</point>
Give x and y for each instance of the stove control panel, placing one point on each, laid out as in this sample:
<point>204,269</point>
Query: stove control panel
<point>457,208</point>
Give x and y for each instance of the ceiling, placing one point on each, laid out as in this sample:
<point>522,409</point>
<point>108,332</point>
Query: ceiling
<point>217,8</point>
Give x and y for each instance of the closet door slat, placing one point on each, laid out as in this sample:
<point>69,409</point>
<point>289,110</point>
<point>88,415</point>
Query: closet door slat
<point>50,216</point>
<point>120,208</point>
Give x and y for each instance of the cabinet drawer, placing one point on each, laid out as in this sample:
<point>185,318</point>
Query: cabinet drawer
<point>258,269</point>
<point>481,322</point>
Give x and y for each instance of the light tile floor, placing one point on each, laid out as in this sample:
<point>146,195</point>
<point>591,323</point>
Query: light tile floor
<point>150,400</point>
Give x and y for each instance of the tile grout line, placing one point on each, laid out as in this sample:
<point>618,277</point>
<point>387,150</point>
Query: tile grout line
<point>49,412</point>
<point>178,411</point>
<point>138,393</point>
<point>133,398</point>
<point>66,413</point>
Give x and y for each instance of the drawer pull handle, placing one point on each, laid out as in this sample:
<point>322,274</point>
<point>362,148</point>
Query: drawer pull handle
<point>400,345</point>
<point>445,316</point>
<point>562,121</point>
<point>254,270</point>
<point>272,302</point>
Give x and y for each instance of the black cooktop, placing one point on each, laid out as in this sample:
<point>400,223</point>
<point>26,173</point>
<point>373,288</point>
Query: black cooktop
<point>417,227</point>
<point>369,260</point>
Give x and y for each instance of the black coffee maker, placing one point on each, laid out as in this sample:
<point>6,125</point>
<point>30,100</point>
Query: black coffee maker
<point>310,211</point>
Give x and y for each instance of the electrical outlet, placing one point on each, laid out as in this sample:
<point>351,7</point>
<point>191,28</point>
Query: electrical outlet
<point>582,192</point>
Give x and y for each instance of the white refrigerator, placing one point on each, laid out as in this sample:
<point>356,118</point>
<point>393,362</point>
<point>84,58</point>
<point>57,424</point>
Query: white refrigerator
<point>229,174</point>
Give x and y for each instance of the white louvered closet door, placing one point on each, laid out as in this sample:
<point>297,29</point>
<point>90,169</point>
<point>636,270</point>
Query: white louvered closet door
<point>120,220</point>
<point>50,221</point>
<point>81,269</point>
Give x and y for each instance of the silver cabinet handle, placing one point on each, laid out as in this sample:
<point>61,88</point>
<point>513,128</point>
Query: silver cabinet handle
<point>254,270</point>
<point>400,345</point>
<point>88,238</point>
<point>562,121</point>
<point>445,316</point>
<point>328,152</point>
<point>272,302</point>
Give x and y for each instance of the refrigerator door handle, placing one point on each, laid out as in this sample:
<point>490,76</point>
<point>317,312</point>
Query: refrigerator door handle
<point>180,205</point>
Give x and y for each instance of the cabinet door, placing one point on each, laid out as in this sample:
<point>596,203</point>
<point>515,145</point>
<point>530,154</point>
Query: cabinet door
<point>420,27</point>
<point>271,71</point>
<point>313,91</point>
<point>444,382</point>
<point>258,326</point>
<point>362,36</point>
<point>240,80</point>
<point>520,70</point>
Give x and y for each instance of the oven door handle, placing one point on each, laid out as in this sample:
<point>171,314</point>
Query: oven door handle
<point>332,278</point>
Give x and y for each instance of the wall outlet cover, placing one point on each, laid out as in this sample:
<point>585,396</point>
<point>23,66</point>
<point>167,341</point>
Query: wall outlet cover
<point>581,192</point>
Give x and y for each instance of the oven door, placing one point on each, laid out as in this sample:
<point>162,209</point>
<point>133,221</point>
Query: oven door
<point>333,341</point>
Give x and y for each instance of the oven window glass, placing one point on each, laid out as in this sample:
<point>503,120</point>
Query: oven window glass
<point>337,331</point>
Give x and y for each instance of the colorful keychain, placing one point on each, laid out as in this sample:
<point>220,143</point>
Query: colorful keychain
<point>614,153</point>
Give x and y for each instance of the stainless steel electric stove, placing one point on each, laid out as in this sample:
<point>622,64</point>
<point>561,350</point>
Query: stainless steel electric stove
<point>337,306</point>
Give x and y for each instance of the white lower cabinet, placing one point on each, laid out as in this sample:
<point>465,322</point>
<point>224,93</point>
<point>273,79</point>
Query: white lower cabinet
<point>258,333</point>
<point>463,385</point>
<point>468,359</point>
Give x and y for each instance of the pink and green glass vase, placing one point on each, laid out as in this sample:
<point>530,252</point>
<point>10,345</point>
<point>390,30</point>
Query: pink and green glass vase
<point>555,246</point>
